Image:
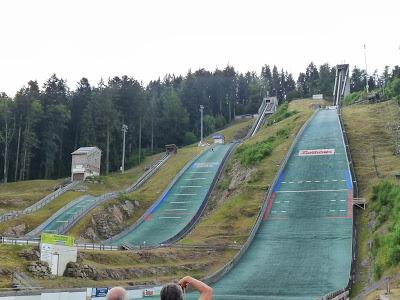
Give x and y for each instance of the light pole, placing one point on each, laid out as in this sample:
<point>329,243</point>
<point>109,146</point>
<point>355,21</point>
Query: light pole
<point>201,123</point>
<point>366,71</point>
<point>124,130</point>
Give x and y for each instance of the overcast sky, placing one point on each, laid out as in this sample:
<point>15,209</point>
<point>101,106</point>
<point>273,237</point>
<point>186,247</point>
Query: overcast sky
<point>149,38</point>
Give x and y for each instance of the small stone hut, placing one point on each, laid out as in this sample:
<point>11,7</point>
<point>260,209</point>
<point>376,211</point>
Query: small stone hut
<point>85,162</point>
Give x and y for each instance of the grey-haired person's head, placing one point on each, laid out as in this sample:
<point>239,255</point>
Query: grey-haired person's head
<point>171,291</point>
<point>117,293</point>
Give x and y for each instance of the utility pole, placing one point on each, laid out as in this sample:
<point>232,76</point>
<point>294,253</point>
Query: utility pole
<point>124,130</point>
<point>201,123</point>
<point>366,70</point>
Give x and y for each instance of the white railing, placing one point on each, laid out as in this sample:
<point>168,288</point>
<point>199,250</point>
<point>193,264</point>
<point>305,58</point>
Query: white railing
<point>154,167</point>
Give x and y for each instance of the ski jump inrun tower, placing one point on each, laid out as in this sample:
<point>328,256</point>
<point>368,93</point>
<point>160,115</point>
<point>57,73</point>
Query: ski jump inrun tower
<point>342,84</point>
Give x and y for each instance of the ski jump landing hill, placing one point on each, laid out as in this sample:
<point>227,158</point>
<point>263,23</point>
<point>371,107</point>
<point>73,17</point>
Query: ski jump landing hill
<point>180,206</point>
<point>302,248</point>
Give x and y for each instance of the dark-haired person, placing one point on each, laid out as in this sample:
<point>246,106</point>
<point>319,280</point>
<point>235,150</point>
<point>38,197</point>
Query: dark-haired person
<point>174,291</point>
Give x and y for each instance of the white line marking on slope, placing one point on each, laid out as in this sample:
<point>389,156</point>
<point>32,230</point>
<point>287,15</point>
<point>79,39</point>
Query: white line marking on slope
<point>191,186</point>
<point>310,191</point>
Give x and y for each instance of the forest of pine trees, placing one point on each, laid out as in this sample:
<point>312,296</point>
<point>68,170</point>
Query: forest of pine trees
<point>41,125</point>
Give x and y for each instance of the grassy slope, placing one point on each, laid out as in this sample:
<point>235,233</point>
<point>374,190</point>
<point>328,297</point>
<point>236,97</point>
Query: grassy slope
<point>10,260</point>
<point>230,132</point>
<point>118,181</point>
<point>394,295</point>
<point>370,134</point>
<point>244,203</point>
<point>19,195</point>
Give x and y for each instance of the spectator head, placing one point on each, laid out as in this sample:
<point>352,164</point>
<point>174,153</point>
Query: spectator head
<point>117,293</point>
<point>171,291</point>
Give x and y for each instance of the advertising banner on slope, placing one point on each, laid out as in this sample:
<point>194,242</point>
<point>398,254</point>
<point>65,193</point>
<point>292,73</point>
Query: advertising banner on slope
<point>315,152</point>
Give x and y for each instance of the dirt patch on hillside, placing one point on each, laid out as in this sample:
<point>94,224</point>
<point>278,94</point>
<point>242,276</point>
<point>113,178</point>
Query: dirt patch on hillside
<point>230,180</point>
<point>109,221</point>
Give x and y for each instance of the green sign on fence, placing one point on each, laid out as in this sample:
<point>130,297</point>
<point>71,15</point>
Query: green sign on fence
<point>56,239</point>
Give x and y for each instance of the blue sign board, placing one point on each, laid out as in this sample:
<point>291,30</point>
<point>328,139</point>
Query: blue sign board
<point>99,292</point>
<point>217,136</point>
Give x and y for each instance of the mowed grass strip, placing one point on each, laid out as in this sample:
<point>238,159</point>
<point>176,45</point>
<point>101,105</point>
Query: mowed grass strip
<point>369,128</point>
<point>22,194</point>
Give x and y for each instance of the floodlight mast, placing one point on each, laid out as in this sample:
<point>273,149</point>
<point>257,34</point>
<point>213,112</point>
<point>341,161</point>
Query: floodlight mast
<point>201,123</point>
<point>124,130</point>
<point>366,70</point>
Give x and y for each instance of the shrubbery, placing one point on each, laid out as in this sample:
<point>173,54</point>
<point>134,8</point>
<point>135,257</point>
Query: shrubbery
<point>189,138</point>
<point>385,202</point>
<point>281,114</point>
<point>353,97</point>
<point>249,154</point>
<point>393,89</point>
